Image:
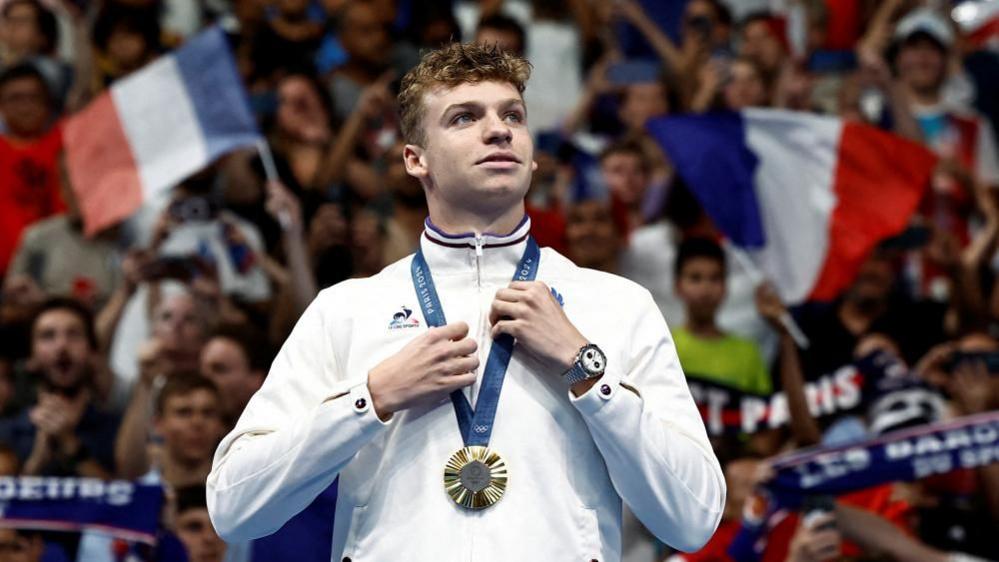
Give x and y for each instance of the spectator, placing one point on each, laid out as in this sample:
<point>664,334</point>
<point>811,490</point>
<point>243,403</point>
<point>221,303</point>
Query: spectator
<point>626,171</point>
<point>56,256</point>
<point>62,428</point>
<point>409,209</point>
<point>362,33</point>
<point>236,358</point>
<point>29,32</point>
<point>871,304</point>
<point>502,31</point>
<point>126,37</point>
<point>17,545</point>
<point>923,43</point>
<point>29,150</point>
<point>194,528</point>
<point>592,236</point>
<point>706,351</point>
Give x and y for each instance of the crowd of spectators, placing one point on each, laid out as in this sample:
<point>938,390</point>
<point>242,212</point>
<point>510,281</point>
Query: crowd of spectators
<point>130,353</point>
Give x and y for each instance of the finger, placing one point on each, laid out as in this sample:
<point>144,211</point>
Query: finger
<point>501,310</point>
<point>510,295</point>
<point>453,331</point>
<point>466,346</point>
<point>458,381</point>
<point>528,285</point>
<point>509,327</point>
<point>460,366</point>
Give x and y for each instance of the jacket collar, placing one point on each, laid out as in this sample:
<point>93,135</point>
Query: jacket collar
<point>489,256</point>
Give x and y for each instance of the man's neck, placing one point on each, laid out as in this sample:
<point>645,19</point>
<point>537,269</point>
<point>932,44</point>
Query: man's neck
<point>179,473</point>
<point>703,328</point>
<point>457,221</point>
<point>924,97</point>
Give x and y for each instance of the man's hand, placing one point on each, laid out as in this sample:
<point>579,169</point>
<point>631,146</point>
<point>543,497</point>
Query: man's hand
<point>770,307</point>
<point>815,543</point>
<point>425,371</point>
<point>527,311</point>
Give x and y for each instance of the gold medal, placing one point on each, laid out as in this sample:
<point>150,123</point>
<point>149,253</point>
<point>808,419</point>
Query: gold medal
<point>475,477</point>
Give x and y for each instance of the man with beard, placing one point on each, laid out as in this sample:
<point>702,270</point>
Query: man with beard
<point>62,431</point>
<point>871,304</point>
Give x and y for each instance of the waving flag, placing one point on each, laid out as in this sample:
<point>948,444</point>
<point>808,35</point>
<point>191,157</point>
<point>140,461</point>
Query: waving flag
<point>808,195</point>
<point>156,127</point>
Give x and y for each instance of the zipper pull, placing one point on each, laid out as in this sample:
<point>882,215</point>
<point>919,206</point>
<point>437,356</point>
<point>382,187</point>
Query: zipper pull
<point>478,246</point>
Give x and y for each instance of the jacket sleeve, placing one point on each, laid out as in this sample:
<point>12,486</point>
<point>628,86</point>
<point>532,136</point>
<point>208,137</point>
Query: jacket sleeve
<point>298,431</point>
<point>648,430</point>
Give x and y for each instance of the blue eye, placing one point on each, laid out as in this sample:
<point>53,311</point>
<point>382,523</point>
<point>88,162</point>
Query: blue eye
<point>461,119</point>
<point>515,117</point>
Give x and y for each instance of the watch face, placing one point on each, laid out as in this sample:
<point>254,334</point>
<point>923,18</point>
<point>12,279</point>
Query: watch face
<point>593,360</point>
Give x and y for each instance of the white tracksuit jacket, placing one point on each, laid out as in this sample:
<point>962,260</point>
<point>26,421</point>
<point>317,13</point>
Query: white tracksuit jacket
<point>634,436</point>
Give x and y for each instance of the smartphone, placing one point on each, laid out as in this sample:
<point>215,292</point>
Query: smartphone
<point>815,507</point>
<point>181,268</point>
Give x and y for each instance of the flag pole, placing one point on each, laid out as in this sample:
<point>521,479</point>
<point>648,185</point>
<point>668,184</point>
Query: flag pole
<point>270,172</point>
<point>757,278</point>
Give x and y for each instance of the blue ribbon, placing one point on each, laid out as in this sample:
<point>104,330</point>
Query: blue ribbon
<point>476,425</point>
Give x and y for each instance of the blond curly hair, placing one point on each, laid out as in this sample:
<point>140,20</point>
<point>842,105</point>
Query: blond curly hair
<point>450,66</point>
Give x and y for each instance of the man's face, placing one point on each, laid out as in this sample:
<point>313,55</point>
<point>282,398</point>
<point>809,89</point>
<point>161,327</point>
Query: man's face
<point>59,348</point>
<point>590,234</point>
<point>759,43</point>
<point>641,102</point>
<point>364,36</point>
<point>19,30</point>
<point>223,361</point>
<point>479,154</point>
<point>24,104</point>
<point>15,547</point>
<point>191,426</point>
<point>701,286</point>
<point>744,88</point>
<point>195,530</point>
<point>921,64</point>
<point>626,177</point>
<point>873,283</point>
<point>178,325</point>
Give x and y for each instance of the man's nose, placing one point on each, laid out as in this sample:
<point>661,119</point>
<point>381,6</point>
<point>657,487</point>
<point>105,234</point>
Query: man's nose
<point>496,131</point>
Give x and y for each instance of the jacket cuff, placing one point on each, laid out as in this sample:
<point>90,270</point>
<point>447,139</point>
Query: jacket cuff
<point>599,395</point>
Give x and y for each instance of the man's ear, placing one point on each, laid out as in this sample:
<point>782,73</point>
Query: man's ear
<point>415,159</point>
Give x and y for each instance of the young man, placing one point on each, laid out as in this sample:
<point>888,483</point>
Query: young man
<point>236,358</point>
<point>194,529</point>
<point>189,420</point>
<point>360,389</point>
<point>29,155</point>
<point>61,429</point>
<point>705,350</point>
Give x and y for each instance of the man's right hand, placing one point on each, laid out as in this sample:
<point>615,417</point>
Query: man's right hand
<point>426,370</point>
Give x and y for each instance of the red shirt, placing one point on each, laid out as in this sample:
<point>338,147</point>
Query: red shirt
<point>29,186</point>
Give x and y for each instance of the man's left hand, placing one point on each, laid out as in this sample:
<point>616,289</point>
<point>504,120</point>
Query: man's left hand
<point>528,311</point>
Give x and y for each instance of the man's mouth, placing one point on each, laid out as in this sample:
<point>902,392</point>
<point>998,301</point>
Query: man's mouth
<point>501,160</point>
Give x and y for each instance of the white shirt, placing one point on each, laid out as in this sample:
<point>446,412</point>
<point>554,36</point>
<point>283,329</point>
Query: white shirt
<point>636,435</point>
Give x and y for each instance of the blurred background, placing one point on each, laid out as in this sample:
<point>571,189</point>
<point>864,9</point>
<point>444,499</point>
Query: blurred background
<point>130,348</point>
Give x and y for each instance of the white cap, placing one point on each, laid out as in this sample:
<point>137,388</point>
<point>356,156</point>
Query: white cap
<point>925,20</point>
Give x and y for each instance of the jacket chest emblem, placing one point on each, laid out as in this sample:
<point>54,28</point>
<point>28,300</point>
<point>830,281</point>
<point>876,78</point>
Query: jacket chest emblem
<point>403,319</point>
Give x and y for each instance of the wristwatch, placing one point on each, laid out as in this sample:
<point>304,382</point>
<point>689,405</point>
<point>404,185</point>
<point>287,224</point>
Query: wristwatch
<point>590,363</point>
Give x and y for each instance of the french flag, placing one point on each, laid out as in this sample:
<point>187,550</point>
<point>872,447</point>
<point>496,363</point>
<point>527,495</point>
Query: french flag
<point>155,127</point>
<point>809,196</point>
